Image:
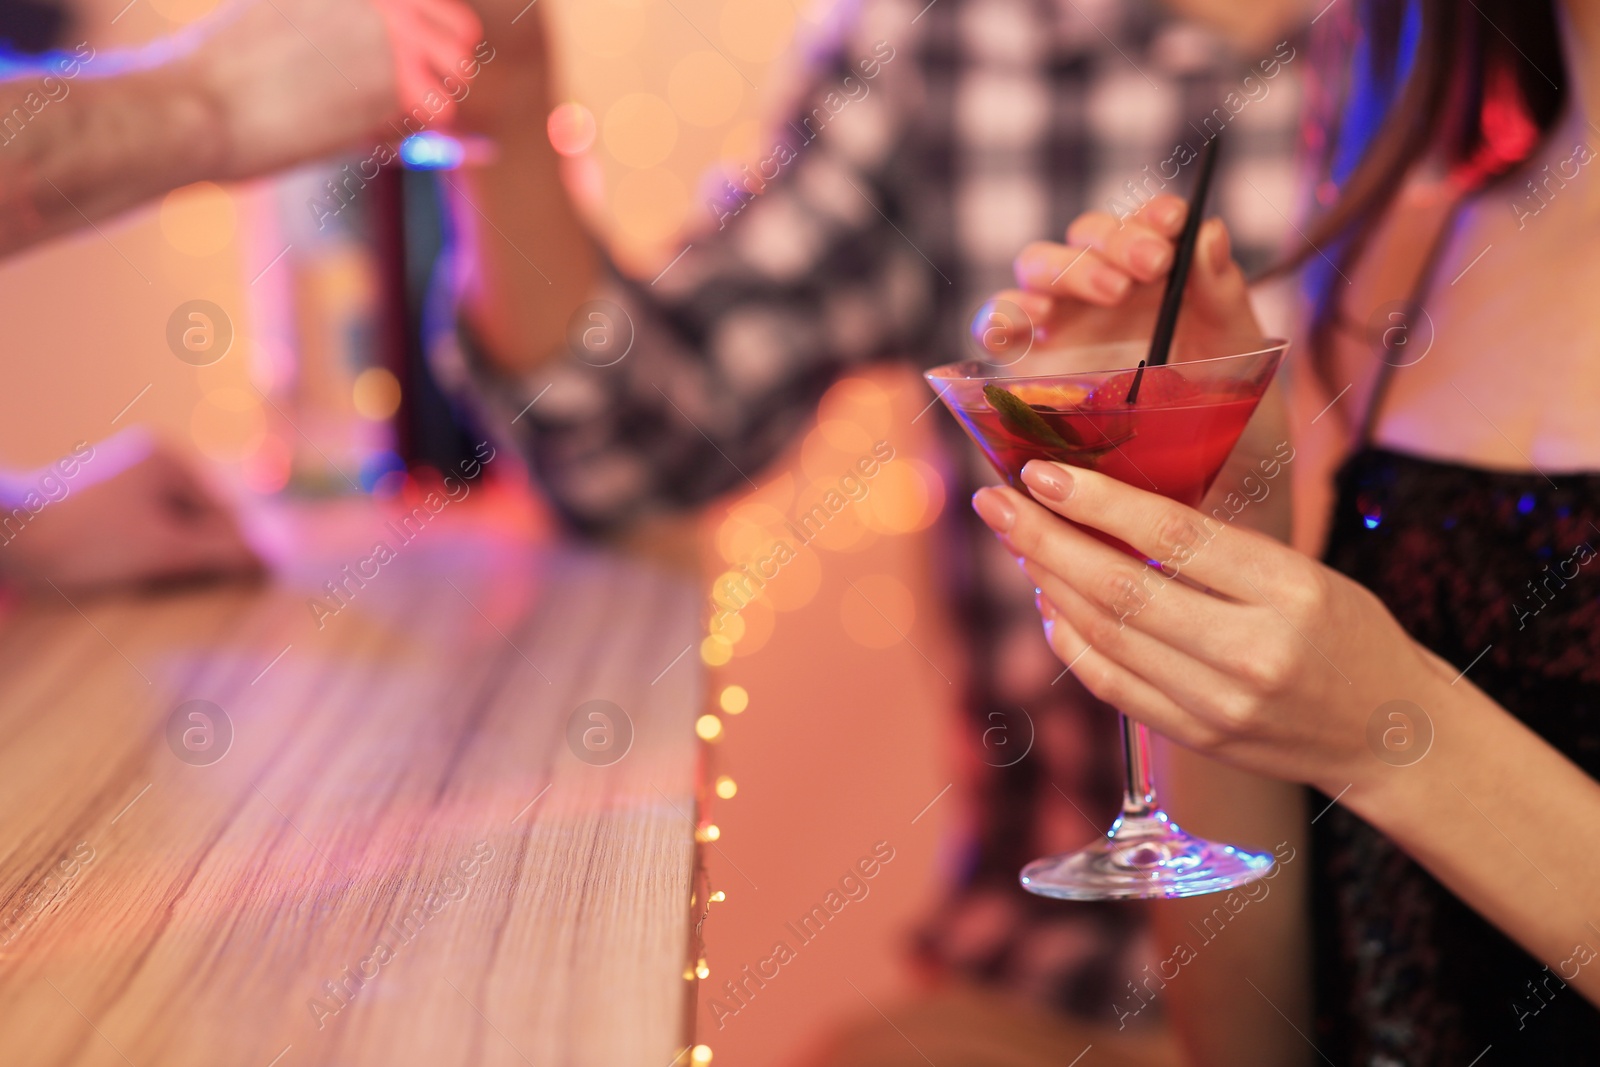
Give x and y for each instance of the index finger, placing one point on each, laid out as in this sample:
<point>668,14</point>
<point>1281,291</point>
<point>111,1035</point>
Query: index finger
<point>1235,562</point>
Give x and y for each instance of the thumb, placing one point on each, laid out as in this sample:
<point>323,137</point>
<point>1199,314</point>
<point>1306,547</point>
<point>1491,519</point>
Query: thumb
<point>1218,289</point>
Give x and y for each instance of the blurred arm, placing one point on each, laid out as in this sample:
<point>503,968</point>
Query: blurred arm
<point>261,85</point>
<point>698,378</point>
<point>77,148</point>
<point>533,259</point>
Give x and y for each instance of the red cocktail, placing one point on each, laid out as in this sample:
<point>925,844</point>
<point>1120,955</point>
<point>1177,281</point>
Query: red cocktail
<point>1071,406</point>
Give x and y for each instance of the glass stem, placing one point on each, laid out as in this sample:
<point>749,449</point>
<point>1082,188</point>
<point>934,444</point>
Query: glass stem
<point>1139,788</point>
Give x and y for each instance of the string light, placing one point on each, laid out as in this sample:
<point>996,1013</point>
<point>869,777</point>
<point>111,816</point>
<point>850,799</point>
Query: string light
<point>727,788</point>
<point>701,971</point>
<point>718,897</point>
<point>734,699</point>
<point>707,833</point>
<point>709,727</point>
<point>701,1054</point>
<point>716,650</point>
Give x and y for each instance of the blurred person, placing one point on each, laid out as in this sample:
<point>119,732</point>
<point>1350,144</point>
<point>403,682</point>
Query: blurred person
<point>1436,678</point>
<point>257,86</point>
<point>930,141</point>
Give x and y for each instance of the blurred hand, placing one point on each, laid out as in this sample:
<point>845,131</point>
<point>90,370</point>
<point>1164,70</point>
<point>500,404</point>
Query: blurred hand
<point>297,79</point>
<point>1105,284</point>
<point>136,512</point>
<point>514,92</point>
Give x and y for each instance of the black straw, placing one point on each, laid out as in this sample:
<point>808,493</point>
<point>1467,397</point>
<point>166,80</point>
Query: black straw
<point>1172,299</point>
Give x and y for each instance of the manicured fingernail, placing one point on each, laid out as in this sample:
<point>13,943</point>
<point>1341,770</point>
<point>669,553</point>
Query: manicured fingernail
<point>1049,481</point>
<point>994,509</point>
<point>1109,282</point>
<point>1042,604</point>
<point>1149,255</point>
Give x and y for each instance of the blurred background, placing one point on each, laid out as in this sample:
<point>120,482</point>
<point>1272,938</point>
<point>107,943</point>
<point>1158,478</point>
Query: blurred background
<point>319,393</point>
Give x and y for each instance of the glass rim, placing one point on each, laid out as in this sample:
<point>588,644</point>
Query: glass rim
<point>932,374</point>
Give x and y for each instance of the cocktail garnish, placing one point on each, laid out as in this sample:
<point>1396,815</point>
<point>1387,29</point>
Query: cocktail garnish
<point>1023,420</point>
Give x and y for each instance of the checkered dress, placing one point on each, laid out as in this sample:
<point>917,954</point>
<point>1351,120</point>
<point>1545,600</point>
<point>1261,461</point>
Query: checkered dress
<point>955,133</point>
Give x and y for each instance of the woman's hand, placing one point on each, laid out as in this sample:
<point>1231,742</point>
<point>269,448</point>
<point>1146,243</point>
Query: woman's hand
<point>1275,666</point>
<point>1105,285</point>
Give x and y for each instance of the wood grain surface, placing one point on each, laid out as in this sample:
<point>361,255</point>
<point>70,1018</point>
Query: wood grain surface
<point>400,858</point>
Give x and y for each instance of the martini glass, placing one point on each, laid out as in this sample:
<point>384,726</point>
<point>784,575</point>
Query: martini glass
<point>1070,405</point>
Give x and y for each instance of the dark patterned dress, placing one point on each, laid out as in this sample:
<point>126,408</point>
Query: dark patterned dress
<point>1496,570</point>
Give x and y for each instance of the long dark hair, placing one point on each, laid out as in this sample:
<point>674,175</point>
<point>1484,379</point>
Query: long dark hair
<point>1478,69</point>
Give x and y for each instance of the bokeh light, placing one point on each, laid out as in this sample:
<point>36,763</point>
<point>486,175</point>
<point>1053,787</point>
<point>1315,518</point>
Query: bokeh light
<point>199,219</point>
<point>734,699</point>
<point>704,89</point>
<point>708,727</point>
<point>747,534</point>
<point>701,1054</point>
<point>846,529</point>
<point>572,129</point>
<point>376,394</point>
<point>727,788</point>
<point>266,468</point>
<point>640,130</point>
<point>861,401</point>
<point>834,448</point>
<point>877,610</point>
<point>730,626</point>
<point>907,495</point>
<point>715,650</point>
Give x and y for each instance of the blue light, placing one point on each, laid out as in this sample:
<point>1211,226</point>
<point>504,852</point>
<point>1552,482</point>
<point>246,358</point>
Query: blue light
<point>1525,503</point>
<point>376,467</point>
<point>1371,521</point>
<point>431,151</point>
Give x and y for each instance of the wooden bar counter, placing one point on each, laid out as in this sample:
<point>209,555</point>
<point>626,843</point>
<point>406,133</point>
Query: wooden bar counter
<point>392,831</point>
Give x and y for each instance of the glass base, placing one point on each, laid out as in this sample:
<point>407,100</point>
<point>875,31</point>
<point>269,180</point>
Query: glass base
<point>1144,857</point>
